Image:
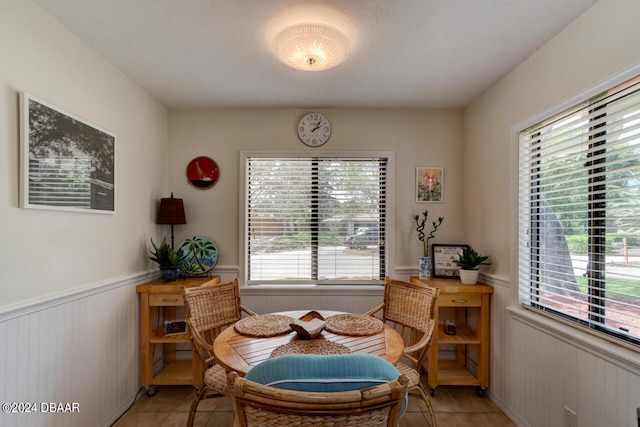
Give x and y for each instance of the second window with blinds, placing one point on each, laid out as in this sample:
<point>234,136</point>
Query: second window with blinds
<point>579,214</point>
<point>321,219</point>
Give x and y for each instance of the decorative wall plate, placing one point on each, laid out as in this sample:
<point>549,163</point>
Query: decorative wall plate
<point>203,172</point>
<point>201,255</point>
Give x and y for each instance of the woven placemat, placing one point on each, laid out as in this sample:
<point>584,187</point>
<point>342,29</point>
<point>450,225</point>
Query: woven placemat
<point>264,325</point>
<point>353,324</point>
<point>310,347</point>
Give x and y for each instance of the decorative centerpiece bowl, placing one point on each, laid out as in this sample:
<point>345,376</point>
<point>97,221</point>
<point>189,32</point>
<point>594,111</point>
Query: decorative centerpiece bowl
<point>308,326</point>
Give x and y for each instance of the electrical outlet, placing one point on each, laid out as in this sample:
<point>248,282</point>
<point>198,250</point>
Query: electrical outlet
<point>570,418</point>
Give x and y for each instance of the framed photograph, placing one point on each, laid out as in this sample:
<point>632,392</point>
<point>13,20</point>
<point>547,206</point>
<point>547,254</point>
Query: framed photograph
<point>443,256</point>
<point>65,163</point>
<point>429,184</point>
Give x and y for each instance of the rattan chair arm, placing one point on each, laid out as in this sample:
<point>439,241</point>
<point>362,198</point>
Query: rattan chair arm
<point>423,342</point>
<point>273,406</point>
<point>246,310</point>
<point>306,400</point>
<point>201,344</point>
<point>375,310</point>
<point>398,388</point>
<point>417,346</point>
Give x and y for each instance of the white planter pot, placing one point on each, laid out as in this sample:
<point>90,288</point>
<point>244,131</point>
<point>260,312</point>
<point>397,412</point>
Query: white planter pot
<point>469,277</point>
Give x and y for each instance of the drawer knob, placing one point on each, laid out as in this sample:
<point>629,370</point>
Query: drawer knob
<point>459,300</point>
<point>170,299</point>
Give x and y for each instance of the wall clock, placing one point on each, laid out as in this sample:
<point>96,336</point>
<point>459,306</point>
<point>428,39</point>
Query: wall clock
<point>203,172</point>
<point>314,129</point>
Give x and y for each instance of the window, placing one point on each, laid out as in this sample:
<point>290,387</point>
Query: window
<point>579,214</point>
<point>316,220</point>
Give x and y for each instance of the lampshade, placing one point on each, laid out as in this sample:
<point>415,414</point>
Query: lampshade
<point>311,46</point>
<point>171,211</point>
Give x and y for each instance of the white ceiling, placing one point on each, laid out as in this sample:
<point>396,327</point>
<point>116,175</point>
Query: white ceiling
<point>405,53</point>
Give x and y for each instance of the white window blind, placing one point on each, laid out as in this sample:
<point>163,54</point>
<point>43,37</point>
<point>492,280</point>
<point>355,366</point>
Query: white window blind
<point>315,220</point>
<point>579,214</point>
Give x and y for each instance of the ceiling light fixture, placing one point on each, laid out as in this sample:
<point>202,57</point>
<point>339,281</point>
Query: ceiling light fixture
<point>311,46</point>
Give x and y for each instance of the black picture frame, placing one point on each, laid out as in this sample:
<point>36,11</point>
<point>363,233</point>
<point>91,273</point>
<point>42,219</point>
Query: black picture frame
<point>442,256</point>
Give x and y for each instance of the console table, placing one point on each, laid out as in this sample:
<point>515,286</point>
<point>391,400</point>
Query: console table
<point>161,298</point>
<point>468,301</point>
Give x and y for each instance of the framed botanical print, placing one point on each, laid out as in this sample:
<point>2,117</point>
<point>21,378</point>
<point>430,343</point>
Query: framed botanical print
<point>429,184</point>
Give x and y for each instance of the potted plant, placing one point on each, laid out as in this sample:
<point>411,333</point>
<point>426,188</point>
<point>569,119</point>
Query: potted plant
<point>469,261</point>
<point>424,266</point>
<point>168,259</point>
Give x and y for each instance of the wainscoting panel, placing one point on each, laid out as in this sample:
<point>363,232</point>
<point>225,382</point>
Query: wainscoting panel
<point>549,368</point>
<point>269,300</point>
<point>80,349</point>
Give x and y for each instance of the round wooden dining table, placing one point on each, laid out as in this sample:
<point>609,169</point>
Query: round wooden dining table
<point>239,353</point>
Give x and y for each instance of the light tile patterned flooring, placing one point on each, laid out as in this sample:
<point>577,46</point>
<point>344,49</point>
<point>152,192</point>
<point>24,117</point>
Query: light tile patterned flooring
<point>169,407</point>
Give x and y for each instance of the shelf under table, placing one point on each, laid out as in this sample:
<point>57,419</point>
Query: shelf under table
<point>177,372</point>
<point>451,372</point>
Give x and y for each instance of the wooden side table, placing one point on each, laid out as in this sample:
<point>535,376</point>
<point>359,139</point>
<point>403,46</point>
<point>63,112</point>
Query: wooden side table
<point>163,298</point>
<point>464,299</point>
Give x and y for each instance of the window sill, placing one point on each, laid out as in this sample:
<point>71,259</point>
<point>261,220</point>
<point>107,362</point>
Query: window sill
<point>339,290</point>
<point>615,351</point>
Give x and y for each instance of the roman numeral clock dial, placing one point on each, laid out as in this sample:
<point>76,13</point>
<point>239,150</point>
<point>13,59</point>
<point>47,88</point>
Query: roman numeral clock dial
<point>314,129</point>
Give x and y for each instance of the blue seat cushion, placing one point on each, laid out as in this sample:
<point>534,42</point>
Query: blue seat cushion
<point>324,373</point>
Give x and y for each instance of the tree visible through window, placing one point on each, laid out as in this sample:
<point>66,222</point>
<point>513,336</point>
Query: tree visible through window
<point>579,215</point>
<point>315,220</point>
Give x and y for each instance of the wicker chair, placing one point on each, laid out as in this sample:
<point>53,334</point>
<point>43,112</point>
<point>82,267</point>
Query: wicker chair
<point>210,309</point>
<point>258,405</point>
<point>411,309</point>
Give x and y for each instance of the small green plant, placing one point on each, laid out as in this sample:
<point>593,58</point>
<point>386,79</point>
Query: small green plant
<point>164,255</point>
<point>420,223</point>
<point>469,259</point>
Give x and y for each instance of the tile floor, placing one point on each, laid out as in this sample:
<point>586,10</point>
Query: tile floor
<point>169,407</point>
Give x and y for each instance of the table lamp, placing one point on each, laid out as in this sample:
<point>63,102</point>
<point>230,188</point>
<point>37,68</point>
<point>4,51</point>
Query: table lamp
<point>171,212</point>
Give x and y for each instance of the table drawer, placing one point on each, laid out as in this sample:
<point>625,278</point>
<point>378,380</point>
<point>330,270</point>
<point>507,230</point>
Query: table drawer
<point>459,300</point>
<point>161,300</point>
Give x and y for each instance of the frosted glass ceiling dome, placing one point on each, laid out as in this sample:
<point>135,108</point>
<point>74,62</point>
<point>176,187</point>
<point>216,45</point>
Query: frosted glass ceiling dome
<point>311,46</point>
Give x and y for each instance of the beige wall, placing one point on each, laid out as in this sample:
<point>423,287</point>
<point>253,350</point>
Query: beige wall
<point>601,42</point>
<point>44,253</point>
<point>418,137</point>
<point>534,369</point>
<point>538,367</point>
<point>68,307</point>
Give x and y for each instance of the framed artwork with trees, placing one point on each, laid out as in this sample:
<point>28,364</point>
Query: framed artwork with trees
<point>66,163</point>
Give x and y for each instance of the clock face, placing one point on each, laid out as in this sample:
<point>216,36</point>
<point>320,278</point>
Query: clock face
<point>314,129</point>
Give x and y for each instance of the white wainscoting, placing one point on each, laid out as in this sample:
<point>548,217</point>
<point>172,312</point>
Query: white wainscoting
<point>551,365</point>
<point>269,299</point>
<point>81,347</point>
